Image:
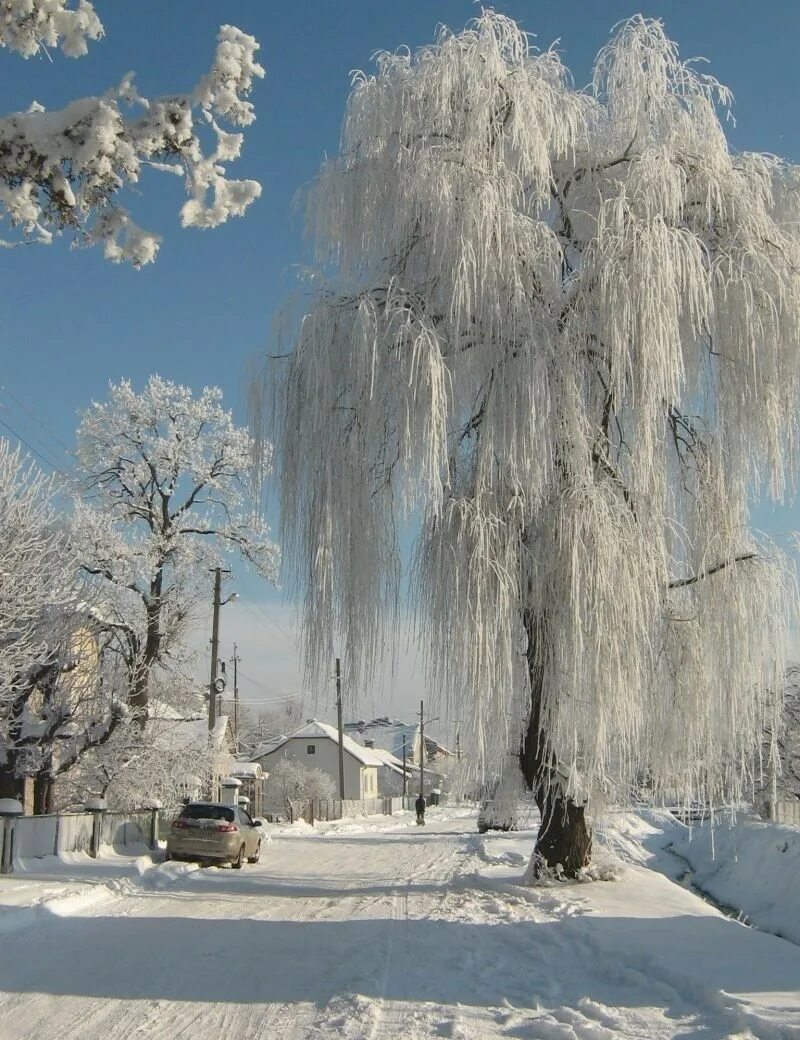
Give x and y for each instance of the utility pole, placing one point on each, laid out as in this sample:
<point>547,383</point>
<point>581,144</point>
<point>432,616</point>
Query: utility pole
<point>405,775</point>
<point>212,688</point>
<point>421,749</point>
<point>235,660</point>
<point>458,745</point>
<point>341,726</point>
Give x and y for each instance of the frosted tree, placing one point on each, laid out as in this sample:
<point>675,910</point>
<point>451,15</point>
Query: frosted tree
<point>778,767</point>
<point>63,171</point>
<point>166,482</point>
<point>32,550</point>
<point>169,760</point>
<point>293,786</point>
<point>35,579</point>
<point>51,710</point>
<point>561,327</point>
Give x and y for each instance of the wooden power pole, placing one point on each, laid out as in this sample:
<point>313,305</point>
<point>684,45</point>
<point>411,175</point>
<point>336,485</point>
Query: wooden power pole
<point>421,749</point>
<point>235,660</point>
<point>341,726</point>
<point>212,687</point>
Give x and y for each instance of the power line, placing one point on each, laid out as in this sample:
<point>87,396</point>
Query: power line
<point>275,624</point>
<point>53,436</point>
<point>262,615</point>
<point>48,462</point>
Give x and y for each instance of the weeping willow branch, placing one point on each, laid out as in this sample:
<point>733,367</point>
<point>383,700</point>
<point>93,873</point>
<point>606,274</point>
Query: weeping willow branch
<point>682,583</point>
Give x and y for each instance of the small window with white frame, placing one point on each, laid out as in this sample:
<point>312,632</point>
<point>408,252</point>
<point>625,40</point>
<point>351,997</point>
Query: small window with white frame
<point>311,749</point>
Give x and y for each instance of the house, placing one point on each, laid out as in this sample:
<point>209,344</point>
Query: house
<point>316,745</point>
<point>194,759</point>
<point>402,741</point>
<point>391,735</point>
<point>390,773</point>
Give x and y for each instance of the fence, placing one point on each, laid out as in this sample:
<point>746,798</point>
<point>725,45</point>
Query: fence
<point>34,837</point>
<point>337,809</point>
<point>785,812</point>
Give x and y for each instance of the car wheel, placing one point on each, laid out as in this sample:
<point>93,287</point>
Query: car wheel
<point>256,855</point>
<point>237,863</point>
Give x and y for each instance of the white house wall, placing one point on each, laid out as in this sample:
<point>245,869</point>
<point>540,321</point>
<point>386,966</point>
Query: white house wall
<point>357,784</point>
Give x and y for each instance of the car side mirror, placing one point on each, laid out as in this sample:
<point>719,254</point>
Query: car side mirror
<point>256,823</point>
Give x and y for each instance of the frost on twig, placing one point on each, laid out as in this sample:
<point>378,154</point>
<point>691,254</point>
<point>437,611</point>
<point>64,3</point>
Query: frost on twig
<point>30,26</point>
<point>63,171</point>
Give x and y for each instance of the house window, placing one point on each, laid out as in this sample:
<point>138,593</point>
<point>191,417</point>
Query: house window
<point>311,749</point>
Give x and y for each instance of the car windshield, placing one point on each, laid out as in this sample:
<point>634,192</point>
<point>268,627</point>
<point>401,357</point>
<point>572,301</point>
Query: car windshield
<point>207,812</point>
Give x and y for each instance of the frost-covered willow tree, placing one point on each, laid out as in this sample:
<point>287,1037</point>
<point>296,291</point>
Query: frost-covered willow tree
<point>62,171</point>
<point>166,481</point>
<point>562,327</point>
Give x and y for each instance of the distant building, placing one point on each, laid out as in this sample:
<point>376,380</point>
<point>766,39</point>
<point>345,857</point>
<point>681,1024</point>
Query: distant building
<point>392,734</point>
<point>316,745</point>
<point>388,734</point>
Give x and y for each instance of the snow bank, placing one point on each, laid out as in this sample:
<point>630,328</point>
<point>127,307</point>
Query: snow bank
<point>748,865</point>
<point>72,882</point>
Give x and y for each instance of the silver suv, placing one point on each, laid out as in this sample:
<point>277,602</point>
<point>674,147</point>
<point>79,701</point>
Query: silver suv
<point>216,833</point>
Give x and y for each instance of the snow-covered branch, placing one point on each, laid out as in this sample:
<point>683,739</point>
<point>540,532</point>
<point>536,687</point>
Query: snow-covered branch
<point>63,171</point>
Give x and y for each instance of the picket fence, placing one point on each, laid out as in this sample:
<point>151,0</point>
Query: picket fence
<point>785,812</point>
<point>324,809</point>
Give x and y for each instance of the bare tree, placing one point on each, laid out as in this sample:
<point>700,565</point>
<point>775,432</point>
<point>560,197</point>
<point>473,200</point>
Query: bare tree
<point>563,328</point>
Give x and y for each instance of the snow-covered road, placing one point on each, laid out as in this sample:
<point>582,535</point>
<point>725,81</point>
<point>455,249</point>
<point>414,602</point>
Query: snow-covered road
<point>380,929</point>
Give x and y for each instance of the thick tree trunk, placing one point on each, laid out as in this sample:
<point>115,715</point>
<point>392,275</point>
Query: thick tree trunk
<point>43,794</point>
<point>564,842</point>
<point>11,785</point>
<point>140,693</point>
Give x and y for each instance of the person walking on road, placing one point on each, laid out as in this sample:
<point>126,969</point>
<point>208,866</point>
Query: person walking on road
<point>419,805</point>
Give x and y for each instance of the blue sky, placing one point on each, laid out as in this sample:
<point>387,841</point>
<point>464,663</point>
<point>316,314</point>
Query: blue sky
<point>71,321</point>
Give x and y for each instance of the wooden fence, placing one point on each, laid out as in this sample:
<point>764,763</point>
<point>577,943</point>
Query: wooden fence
<point>337,809</point>
<point>785,812</point>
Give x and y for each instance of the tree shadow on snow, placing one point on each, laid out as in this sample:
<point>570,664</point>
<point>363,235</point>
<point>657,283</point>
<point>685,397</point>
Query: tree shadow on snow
<point>525,964</point>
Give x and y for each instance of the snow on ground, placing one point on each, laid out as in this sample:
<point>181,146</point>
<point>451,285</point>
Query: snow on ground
<point>753,866</point>
<point>71,882</point>
<point>747,866</point>
<point>376,928</point>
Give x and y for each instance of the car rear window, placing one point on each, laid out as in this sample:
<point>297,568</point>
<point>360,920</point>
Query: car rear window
<point>207,812</point>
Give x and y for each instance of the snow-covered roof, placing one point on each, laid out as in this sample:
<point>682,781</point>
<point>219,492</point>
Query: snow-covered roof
<point>315,730</point>
<point>168,727</point>
<point>247,770</point>
<point>388,760</point>
<point>387,733</point>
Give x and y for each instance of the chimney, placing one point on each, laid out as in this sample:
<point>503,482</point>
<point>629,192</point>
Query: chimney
<point>369,742</point>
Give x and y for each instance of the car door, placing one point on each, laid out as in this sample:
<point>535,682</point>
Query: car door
<point>249,831</point>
